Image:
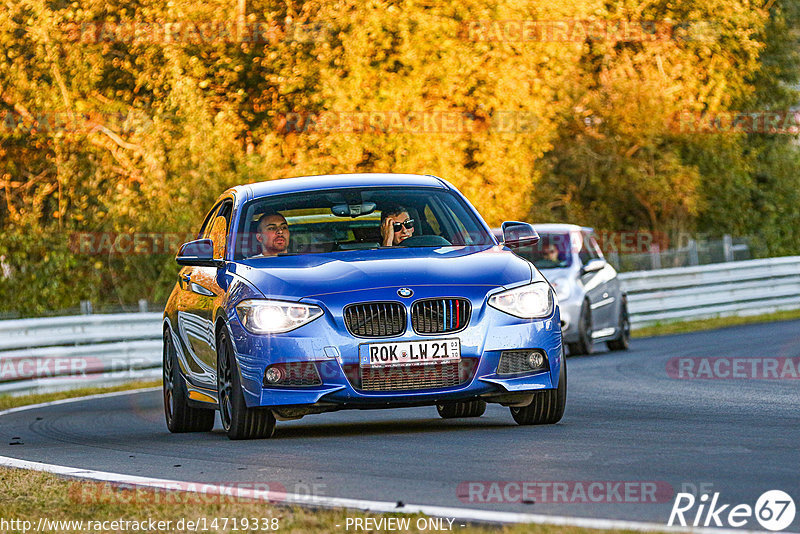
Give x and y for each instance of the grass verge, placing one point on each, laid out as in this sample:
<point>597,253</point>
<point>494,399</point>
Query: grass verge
<point>10,401</point>
<point>76,506</point>
<point>663,329</point>
<point>67,505</point>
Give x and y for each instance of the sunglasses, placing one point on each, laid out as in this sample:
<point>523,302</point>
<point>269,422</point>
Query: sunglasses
<point>408,223</point>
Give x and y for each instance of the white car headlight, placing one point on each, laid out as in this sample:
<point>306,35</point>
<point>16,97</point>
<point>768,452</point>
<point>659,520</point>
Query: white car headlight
<point>275,317</point>
<point>562,287</point>
<point>530,301</point>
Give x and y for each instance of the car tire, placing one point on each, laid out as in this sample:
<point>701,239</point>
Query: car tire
<point>179,415</point>
<point>238,421</point>
<point>547,407</point>
<point>623,341</point>
<point>584,344</point>
<point>452,410</point>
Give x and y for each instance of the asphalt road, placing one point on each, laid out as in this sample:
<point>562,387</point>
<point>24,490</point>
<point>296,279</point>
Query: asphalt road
<point>627,421</point>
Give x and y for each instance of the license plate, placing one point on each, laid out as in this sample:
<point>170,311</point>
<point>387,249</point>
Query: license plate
<point>410,352</point>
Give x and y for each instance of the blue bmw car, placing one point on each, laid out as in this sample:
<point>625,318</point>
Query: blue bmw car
<point>360,291</point>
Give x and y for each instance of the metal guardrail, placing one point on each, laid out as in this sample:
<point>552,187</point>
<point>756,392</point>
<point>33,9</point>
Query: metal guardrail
<point>54,353</point>
<point>78,329</point>
<point>47,354</point>
<point>750,287</point>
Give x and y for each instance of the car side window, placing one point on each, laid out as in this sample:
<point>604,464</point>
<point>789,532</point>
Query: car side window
<point>431,220</point>
<point>206,226</point>
<point>452,225</point>
<point>597,250</point>
<point>588,251</point>
<point>218,231</point>
<point>461,236</point>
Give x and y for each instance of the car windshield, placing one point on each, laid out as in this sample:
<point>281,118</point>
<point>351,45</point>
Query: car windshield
<point>350,219</point>
<point>551,252</point>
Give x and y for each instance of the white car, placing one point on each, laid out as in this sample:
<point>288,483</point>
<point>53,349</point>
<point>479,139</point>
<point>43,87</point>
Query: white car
<point>593,306</point>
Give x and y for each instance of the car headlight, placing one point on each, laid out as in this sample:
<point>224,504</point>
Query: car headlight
<point>275,317</point>
<point>562,287</point>
<point>530,301</point>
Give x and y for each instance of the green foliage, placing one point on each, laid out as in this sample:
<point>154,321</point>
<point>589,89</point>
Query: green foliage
<point>622,160</point>
<point>108,130</point>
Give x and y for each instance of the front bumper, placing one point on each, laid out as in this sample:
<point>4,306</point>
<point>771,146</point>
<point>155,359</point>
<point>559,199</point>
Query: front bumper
<point>335,352</point>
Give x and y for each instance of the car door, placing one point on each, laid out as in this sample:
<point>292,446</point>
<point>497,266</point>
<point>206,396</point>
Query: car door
<point>602,297</point>
<point>613,292</point>
<point>201,291</point>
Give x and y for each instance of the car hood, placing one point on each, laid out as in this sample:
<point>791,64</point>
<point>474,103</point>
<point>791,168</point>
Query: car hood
<point>296,277</point>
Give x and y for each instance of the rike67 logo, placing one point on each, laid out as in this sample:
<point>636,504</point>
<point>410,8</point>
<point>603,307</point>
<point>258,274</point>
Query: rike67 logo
<point>774,510</point>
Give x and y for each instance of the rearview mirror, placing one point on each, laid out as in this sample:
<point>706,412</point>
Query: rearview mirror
<point>519,234</point>
<point>198,253</point>
<point>353,210</point>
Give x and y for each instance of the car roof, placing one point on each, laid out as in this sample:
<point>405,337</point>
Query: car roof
<point>338,181</point>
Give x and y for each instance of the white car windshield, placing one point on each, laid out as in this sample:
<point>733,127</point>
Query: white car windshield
<point>553,251</point>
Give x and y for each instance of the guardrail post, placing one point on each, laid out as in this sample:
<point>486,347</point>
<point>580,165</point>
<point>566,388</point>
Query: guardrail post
<point>727,247</point>
<point>655,256</point>
<point>694,258</point>
<point>86,307</point>
<point>142,305</point>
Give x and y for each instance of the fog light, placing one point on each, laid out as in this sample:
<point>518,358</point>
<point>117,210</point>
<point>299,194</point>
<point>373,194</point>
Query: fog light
<point>520,362</point>
<point>273,375</point>
<point>535,360</point>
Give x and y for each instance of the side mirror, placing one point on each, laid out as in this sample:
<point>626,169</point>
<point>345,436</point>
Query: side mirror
<point>519,234</point>
<point>592,266</point>
<point>198,253</point>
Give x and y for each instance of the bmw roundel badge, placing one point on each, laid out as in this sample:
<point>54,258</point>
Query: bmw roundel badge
<point>405,292</point>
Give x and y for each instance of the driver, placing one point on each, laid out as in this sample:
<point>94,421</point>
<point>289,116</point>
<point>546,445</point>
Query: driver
<point>551,253</point>
<point>273,234</point>
<point>396,226</point>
